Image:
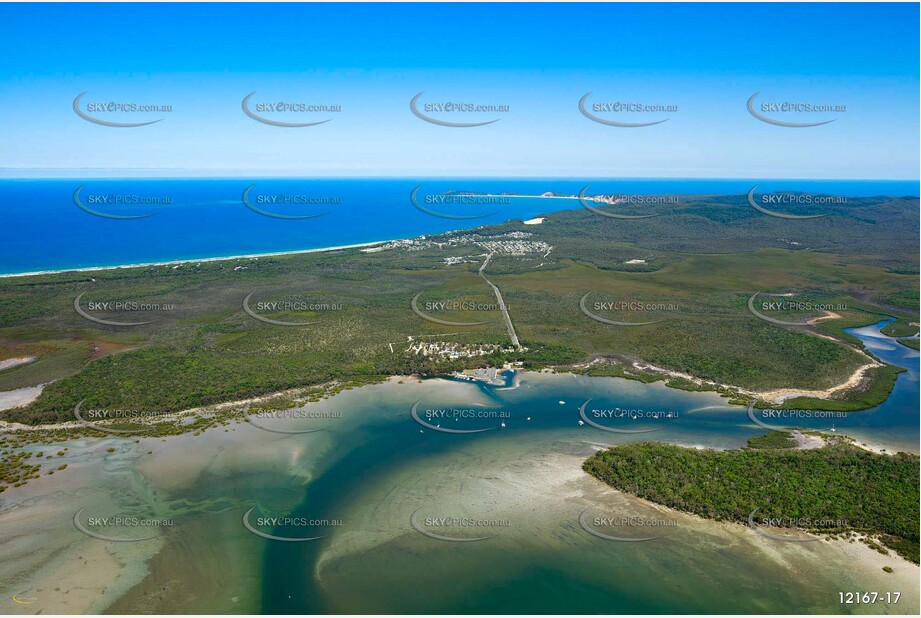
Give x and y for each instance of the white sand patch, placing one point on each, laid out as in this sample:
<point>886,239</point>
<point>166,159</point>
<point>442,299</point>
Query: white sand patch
<point>806,442</point>
<point>19,397</point>
<point>9,363</point>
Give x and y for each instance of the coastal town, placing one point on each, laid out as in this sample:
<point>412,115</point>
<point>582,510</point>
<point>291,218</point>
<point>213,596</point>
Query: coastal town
<point>514,244</point>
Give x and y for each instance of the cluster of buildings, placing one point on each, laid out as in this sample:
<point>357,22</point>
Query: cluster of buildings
<point>448,349</point>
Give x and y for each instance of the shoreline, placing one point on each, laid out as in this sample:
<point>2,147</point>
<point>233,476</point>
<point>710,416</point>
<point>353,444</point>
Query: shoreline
<point>199,260</point>
<point>361,245</point>
<point>844,536</point>
<point>776,396</point>
<point>780,395</point>
<point>203,410</point>
<point>139,587</point>
<point>78,269</point>
<point>215,409</point>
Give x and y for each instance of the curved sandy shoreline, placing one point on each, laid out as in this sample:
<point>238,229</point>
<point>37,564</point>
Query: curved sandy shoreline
<point>782,394</point>
<point>774,396</point>
<point>196,261</point>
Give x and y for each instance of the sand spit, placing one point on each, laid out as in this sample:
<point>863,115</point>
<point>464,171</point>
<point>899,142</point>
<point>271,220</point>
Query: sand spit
<point>858,378</point>
<point>542,494</point>
<point>777,396</point>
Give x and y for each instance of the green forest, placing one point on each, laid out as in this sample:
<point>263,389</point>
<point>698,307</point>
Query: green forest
<point>877,495</point>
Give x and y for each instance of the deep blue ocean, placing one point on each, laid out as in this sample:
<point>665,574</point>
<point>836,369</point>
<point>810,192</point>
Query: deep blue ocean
<point>45,226</point>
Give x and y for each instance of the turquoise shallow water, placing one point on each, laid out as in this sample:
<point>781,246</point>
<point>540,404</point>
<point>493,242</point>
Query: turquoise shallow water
<point>543,562</point>
<point>385,484</point>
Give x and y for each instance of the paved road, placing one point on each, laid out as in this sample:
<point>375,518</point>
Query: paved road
<point>502,307</point>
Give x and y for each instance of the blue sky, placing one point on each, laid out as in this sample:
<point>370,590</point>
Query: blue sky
<point>539,60</point>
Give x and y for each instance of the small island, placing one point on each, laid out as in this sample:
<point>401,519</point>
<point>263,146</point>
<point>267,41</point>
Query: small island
<point>872,497</point>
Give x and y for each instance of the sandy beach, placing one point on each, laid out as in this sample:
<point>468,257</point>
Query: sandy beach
<point>252,256</point>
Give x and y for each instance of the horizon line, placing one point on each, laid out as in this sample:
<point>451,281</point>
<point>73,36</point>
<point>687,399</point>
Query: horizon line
<point>437,176</point>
